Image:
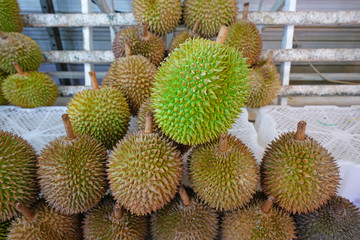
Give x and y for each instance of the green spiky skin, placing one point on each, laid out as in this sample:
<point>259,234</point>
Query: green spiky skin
<point>144,171</point>
<point>4,229</point>
<point>252,223</point>
<point>10,19</point>
<point>134,77</point>
<point>211,14</point>
<point>179,39</point>
<point>300,175</point>
<point>153,48</point>
<point>36,89</point>
<point>224,180</point>
<point>100,224</point>
<point>161,16</point>
<point>103,114</point>
<point>17,174</point>
<point>3,101</point>
<point>72,173</point>
<point>20,49</point>
<point>47,224</point>
<point>176,221</point>
<point>339,219</point>
<point>199,90</point>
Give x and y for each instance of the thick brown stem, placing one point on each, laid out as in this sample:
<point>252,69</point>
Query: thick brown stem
<point>184,196</point>
<point>94,81</point>
<point>27,212</point>
<point>222,34</point>
<point>149,123</point>
<point>246,11</point>
<point>20,72</point>
<point>300,132</point>
<point>68,128</point>
<point>195,28</point>
<point>144,33</point>
<point>267,205</point>
<point>268,61</point>
<point>223,143</point>
<point>127,49</point>
<point>3,35</point>
<point>118,213</point>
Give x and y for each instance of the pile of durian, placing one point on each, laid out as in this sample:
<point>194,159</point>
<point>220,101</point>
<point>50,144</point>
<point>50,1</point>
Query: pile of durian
<point>98,182</point>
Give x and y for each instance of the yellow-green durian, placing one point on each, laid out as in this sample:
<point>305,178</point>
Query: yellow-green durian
<point>3,101</point>
<point>4,229</point>
<point>10,18</point>
<point>181,37</point>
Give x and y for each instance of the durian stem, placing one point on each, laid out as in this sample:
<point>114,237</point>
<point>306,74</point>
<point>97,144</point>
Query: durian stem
<point>268,61</point>
<point>94,81</point>
<point>20,72</point>
<point>144,34</point>
<point>300,132</point>
<point>149,123</point>
<point>27,212</point>
<point>222,34</point>
<point>223,143</point>
<point>184,196</point>
<point>246,11</point>
<point>195,28</point>
<point>118,213</point>
<point>68,128</point>
<point>267,205</point>
<point>127,49</point>
<point>3,35</point>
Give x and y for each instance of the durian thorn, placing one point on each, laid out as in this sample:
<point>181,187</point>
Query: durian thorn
<point>195,28</point>
<point>267,205</point>
<point>68,128</point>
<point>3,35</point>
<point>223,143</point>
<point>144,33</point>
<point>94,81</point>
<point>127,49</point>
<point>246,11</point>
<point>340,210</point>
<point>184,196</point>
<point>222,34</point>
<point>148,123</point>
<point>27,212</point>
<point>20,72</point>
<point>270,56</point>
<point>118,212</point>
<point>300,132</point>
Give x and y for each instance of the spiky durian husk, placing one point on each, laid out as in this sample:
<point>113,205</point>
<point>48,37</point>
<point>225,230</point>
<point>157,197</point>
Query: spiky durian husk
<point>134,77</point>
<point>338,219</point>
<point>199,90</point>
<point>17,174</point>
<point>4,229</point>
<point>244,37</point>
<point>103,114</point>
<point>211,14</point>
<point>36,89</point>
<point>3,101</point>
<point>20,49</point>
<point>178,39</point>
<point>224,180</point>
<point>100,224</point>
<point>162,16</point>
<point>176,221</point>
<point>144,171</point>
<point>72,173</point>
<point>146,107</point>
<point>47,224</point>
<point>251,222</point>
<point>10,18</point>
<point>300,175</point>
<point>153,48</point>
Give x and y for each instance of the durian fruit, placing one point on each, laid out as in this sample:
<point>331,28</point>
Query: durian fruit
<point>181,37</point>
<point>144,171</point>
<point>10,18</point>
<point>338,219</point>
<point>211,14</point>
<point>4,229</point>
<point>258,220</point>
<point>199,90</point>
<point>16,47</point>
<point>185,219</point>
<point>108,221</point>
<point>3,101</point>
<point>298,172</point>
<point>44,223</point>
<point>224,173</point>
<point>244,36</point>
<point>142,42</point>
<point>162,16</point>
<point>133,75</point>
<point>141,118</point>
<point>101,113</point>
<point>72,172</point>
<point>17,174</point>
<point>29,89</point>
<point>264,84</point>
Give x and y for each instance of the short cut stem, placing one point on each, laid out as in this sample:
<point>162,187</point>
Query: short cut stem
<point>3,35</point>
<point>27,212</point>
<point>20,72</point>
<point>269,59</point>
<point>195,28</point>
<point>144,32</point>
<point>68,128</point>
<point>118,213</point>
<point>246,11</point>
<point>149,123</point>
<point>267,205</point>
<point>184,196</point>
<point>94,81</point>
<point>127,49</point>
<point>223,143</point>
<point>300,132</point>
<point>222,34</point>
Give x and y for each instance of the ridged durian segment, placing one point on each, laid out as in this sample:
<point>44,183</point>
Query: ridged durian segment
<point>47,224</point>
<point>224,180</point>
<point>176,221</point>
<point>144,171</point>
<point>251,222</point>
<point>20,49</point>
<point>162,16</point>
<point>338,219</point>
<point>211,14</point>
<point>300,175</point>
<point>199,90</point>
<point>4,229</point>
<point>35,89</point>
<point>103,114</point>
<point>72,173</point>
<point>17,174</point>
<point>100,224</point>
<point>153,48</point>
<point>146,107</point>
<point>134,77</point>
<point>3,101</point>
<point>10,18</point>
<point>179,39</point>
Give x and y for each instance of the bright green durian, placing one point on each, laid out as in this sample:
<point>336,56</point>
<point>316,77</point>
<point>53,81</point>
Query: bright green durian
<point>17,174</point>
<point>4,229</point>
<point>3,101</point>
<point>10,18</point>
<point>199,91</point>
